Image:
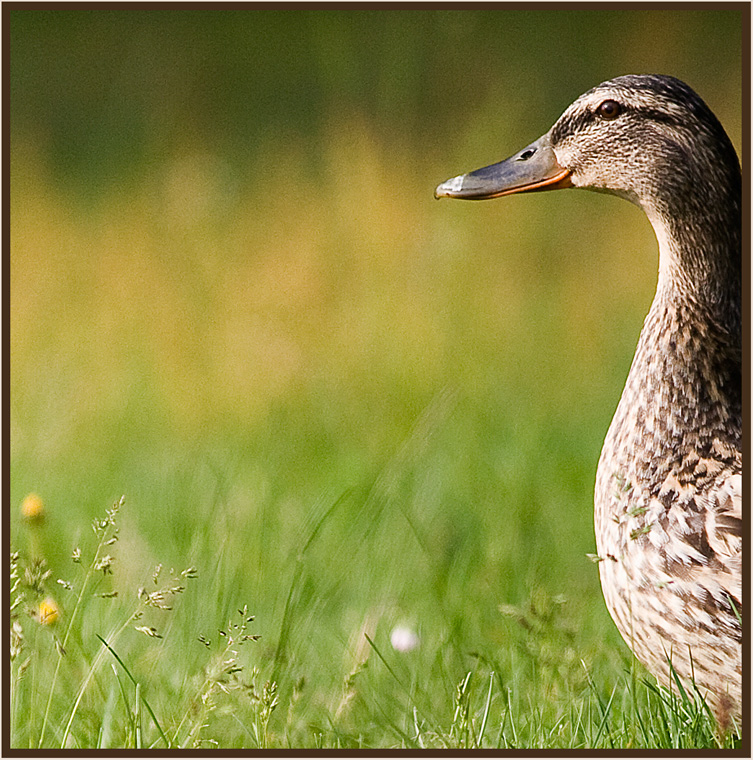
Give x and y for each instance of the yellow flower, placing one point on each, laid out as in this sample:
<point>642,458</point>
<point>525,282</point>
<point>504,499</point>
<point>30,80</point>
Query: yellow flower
<point>32,507</point>
<point>48,611</point>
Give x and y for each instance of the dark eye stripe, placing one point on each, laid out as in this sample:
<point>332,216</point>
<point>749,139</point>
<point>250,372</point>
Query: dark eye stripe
<point>571,124</point>
<point>661,116</point>
<point>577,121</point>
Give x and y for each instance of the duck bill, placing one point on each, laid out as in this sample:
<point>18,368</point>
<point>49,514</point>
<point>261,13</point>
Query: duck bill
<point>533,168</point>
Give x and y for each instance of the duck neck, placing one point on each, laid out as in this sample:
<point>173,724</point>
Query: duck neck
<point>687,365</point>
<point>700,264</point>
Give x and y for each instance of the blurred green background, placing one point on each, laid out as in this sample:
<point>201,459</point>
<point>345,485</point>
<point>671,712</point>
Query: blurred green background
<point>235,300</point>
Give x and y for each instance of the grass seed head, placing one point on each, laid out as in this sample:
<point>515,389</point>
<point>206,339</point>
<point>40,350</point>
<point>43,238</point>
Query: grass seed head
<point>105,564</point>
<point>35,574</point>
<point>16,639</point>
<point>149,631</point>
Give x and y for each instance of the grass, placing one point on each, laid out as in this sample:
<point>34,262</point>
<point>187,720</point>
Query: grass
<point>335,407</point>
<point>116,690</point>
<point>143,657</point>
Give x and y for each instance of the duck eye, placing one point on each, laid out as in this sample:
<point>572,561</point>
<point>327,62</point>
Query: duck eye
<point>609,109</point>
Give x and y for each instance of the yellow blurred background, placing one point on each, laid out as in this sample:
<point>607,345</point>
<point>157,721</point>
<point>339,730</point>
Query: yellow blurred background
<point>223,207</point>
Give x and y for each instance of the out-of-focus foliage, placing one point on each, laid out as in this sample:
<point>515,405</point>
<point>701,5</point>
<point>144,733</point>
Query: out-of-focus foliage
<point>103,89</point>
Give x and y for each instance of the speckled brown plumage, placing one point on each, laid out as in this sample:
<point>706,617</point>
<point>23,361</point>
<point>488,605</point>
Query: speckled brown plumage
<point>668,497</point>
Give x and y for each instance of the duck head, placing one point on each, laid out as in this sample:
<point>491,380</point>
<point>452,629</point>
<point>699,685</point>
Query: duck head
<point>648,138</point>
<point>652,140</point>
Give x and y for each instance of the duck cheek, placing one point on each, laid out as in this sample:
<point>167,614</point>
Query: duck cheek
<point>580,179</point>
<point>589,177</point>
<point>596,175</point>
<point>600,181</point>
<point>583,172</point>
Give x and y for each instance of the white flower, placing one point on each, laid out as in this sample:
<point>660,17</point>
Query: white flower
<point>403,639</point>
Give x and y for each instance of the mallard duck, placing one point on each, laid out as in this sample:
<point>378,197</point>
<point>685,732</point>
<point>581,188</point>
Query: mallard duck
<point>668,496</point>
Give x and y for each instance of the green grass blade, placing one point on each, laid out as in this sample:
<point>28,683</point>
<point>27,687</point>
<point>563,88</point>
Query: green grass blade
<point>397,679</point>
<point>136,684</point>
<point>137,716</point>
<point>125,700</point>
<point>487,707</point>
<point>282,640</point>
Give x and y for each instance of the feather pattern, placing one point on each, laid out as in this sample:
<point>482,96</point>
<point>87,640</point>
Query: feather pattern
<point>668,498</point>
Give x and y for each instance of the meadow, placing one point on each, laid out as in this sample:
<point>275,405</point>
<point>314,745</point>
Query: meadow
<point>300,457</point>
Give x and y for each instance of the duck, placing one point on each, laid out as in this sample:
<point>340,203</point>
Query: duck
<point>668,494</point>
